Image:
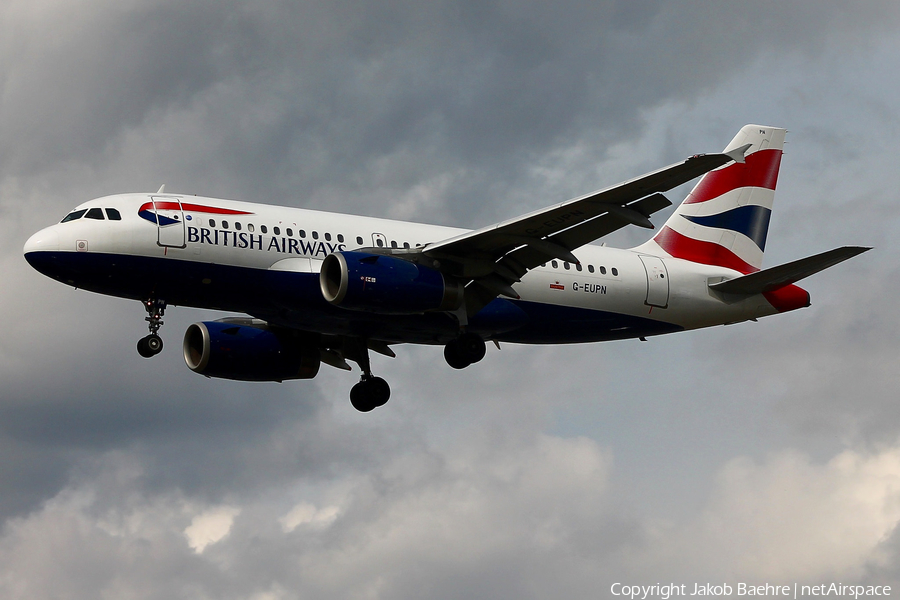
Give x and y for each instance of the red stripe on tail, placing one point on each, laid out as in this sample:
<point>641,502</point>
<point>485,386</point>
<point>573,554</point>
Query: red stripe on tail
<point>699,251</point>
<point>759,170</point>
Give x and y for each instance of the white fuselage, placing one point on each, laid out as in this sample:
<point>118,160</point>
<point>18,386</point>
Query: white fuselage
<point>216,234</point>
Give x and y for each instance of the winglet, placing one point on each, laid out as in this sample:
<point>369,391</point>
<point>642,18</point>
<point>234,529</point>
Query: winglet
<point>737,155</point>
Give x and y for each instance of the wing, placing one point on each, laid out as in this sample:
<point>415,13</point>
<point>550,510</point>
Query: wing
<point>493,258</point>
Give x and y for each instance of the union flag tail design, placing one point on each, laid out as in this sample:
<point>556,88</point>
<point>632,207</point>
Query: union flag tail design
<point>725,219</point>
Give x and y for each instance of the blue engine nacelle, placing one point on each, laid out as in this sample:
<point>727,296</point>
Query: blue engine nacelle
<point>248,350</point>
<point>386,284</point>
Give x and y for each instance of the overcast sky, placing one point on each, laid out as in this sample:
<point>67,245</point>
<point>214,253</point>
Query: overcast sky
<point>766,452</point>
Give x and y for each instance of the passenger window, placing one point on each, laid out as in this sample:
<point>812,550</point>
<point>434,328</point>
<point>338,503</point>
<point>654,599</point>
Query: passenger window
<point>250,227</point>
<point>566,265</point>
<point>578,266</point>
<point>406,244</point>
<point>277,231</point>
<point>327,237</point>
<point>555,264</point>
<point>603,270</point>
<point>359,240</point>
<point>393,244</point>
<point>591,268</point>
<point>212,223</point>
<point>95,213</point>
<point>113,215</point>
<point>74,216</point>
<point>289,232</point>
<point>224,224</point>
<point>615,272</point>
<point>237,226</point>
<point>315,235</point>
<point>341,238</point>
<point>379,242</point>
<point>302,233</point>
<point>264,229</point>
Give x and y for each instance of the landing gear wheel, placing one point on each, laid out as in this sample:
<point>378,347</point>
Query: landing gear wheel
<point>150,346</point>
<point>472,346</point>
<point>454,356</point>
<point>465,350</point>
<point>369,394</point>
<point>154,343</point>
<point>379,391</point>
<point>142,348</point>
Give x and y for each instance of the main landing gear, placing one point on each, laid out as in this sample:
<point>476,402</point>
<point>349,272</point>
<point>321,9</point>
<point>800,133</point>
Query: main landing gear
<point>152,344</point>
<point>464,351</point>
<point>371,392</point>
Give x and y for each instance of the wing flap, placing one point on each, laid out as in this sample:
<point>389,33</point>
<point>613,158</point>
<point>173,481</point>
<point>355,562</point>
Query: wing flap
<point>605,224</point>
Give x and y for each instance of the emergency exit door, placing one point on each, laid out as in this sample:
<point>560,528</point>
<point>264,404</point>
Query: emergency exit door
<point>169,222</point>
<point>657,281</point>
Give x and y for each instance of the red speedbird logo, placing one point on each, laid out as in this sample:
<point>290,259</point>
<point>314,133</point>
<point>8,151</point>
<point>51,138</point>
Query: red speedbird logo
<point>150,211</point>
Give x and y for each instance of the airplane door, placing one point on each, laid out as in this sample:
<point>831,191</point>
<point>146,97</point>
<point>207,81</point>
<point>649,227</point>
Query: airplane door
<point>169,222</point>
<point>379,240</point>
<point>657,281</point>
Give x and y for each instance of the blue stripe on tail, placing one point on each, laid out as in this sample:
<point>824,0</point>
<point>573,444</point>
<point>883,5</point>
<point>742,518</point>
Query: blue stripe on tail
<point>750,220</point>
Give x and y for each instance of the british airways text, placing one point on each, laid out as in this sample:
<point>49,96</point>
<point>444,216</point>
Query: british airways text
<point>251,241</point>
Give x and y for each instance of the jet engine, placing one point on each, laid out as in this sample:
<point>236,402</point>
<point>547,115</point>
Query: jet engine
<point>386,284</point>
<point>248,350</point>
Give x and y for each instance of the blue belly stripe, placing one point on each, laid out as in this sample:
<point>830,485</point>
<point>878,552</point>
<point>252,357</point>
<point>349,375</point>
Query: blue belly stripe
<point>294,300</point>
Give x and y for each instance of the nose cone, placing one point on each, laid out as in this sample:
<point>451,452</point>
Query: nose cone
<point>44,241</point>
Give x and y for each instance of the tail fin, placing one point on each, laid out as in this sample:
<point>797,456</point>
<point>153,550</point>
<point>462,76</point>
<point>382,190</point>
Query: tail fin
<point>725,219</point>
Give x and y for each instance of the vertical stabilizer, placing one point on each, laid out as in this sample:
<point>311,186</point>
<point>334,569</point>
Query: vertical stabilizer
<point>725,218</point>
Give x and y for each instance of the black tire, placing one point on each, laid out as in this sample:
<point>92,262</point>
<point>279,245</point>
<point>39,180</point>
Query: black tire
<point>369,394</point>
<point>154,344</point>
<point>472,347</point>
<point>379,391</point>
<point>454,356</point>
<point>360,397</point>
<point>143,349</point>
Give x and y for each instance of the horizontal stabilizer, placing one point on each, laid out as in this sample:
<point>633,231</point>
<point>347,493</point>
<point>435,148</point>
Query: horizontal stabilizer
<point>774,278</point>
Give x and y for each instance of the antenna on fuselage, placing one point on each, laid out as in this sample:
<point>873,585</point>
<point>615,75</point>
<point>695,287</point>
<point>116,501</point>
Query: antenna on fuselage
<point>162,189</point>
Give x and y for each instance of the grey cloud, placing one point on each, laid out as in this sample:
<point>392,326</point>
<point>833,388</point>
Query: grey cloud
<point>78,77</point>
<point>461,113</point>
<point>297,98</point>
<point>443,524</point>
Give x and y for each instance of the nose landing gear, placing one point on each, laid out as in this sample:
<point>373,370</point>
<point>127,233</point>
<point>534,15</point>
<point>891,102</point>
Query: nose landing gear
<point>152,344</point>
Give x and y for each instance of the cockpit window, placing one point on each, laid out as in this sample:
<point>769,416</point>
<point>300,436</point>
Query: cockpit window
<point>113,215</point>
<point>95,213</point>
<point>72,216</point>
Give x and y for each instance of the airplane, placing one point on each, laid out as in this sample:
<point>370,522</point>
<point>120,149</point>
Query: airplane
<point>318,287</point>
